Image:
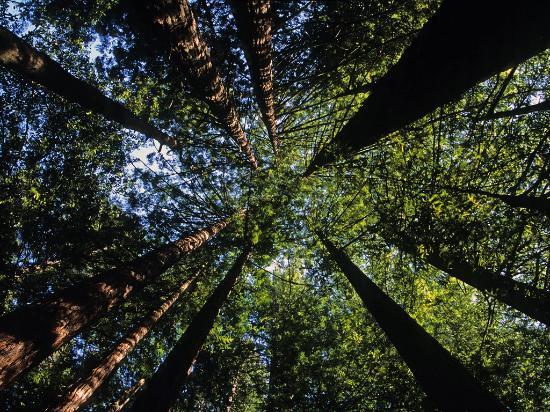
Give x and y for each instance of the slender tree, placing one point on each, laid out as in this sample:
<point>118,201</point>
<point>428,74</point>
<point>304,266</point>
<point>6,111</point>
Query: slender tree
<point>85,388</point>
<point>253,18</point>
<point>29,334</point>
<point>126,396</point>
<point>464,43</point>
<point>176,27</point>
<point>35,66</point>
<point>165,386</point>
<point>530,300</point>
<point>523,201</point>
<point>444,379</point>
<point>539,107</point>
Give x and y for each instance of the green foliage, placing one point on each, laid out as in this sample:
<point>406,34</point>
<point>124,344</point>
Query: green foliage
<point>79,194</point>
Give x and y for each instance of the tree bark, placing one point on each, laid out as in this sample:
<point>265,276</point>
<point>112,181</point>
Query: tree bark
<point>444,379</point>
<point>464,43</point>
<point>165,386</point>
<point>176,27</point>
<point>30,334</point>
<point>253,18</point>
<point>35,66</point>
<point>85,388</point>
<point>536,203</point>
<point>530,300</point>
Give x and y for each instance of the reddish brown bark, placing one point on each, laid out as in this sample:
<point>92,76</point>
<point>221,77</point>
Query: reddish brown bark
<point>165,386</point>
<point>28,62</point>
<point>444,379</point>
<point>85,388</point>
<point>253,19</point>
<point>464,43</point>
<point>29,334</point>
<point>176,26</point>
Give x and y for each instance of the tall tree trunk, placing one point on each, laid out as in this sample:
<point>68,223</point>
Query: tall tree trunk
<point>165,386</point>
<point>126,396</point>
<point>28,62</point>
<point>539,107</point>
<point>176,27</point>
<point>253,19</point>
<point>444,379</point>
<point>464,43</point>
<point>85,388</point>
<point>536,203</point>
<point>530,300</point>
<point>29,334</point>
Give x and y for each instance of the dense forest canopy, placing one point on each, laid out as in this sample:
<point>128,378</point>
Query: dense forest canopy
<point>252,205</point>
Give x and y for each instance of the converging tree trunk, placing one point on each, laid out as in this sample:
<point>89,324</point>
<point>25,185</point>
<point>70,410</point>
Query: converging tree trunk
<point>464,43</point>
<point>177,28</point>
<point>165,386</point>
<point>444,379</point>
<point>539,107</point>
<point>85,388</point>
<point>530,300</point>
<point>29,334</point>
<point>253,18</point>
<point>32,65</point>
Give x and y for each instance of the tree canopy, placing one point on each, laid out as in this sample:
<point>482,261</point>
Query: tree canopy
<point>274,205</point>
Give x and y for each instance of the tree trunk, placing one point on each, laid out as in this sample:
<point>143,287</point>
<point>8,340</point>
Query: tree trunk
<point>28,62</point>
<point>84,389</point>
<point>444,379</point>
<point>253,18</point>
<point>530,300</point>
<point>539,107</point>
<point>166,384</point>
<point>176,27</point>
<point>464,43</point>
<point>30,334</point>
<point>536,203</point>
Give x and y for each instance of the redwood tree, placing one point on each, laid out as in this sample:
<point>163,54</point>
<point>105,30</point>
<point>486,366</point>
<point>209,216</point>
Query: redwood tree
<point>165,386</point>
<point>464,43</point>
<point>84,389</point>
<point>177,28</point>
<point>444,379</point>
<point>29,334</point>
<point>253,19</point>
<point>22,58</point>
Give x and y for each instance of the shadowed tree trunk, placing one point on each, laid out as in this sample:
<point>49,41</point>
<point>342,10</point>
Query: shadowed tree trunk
<point>29,334</point>
<point>28,62</point>
<point>165,386</point>
<point>530,300</point>
<point>539,107</point>
<point>177,28</point>
<point>444,379</point>
<point>85,388</point>
<point>253,19</point>
<point>464,43</point>
<point>536,203</point>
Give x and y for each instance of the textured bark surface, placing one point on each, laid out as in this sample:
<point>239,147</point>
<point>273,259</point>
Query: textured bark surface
<point>176,27</point>
<point>29,334</point>
<point>253,18</point>
<point>125,398</point>
<point>84,389</point>
<point>464,43</point>
<point>32,65</point>
<point>166,384</point>
<point>444,379</point>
